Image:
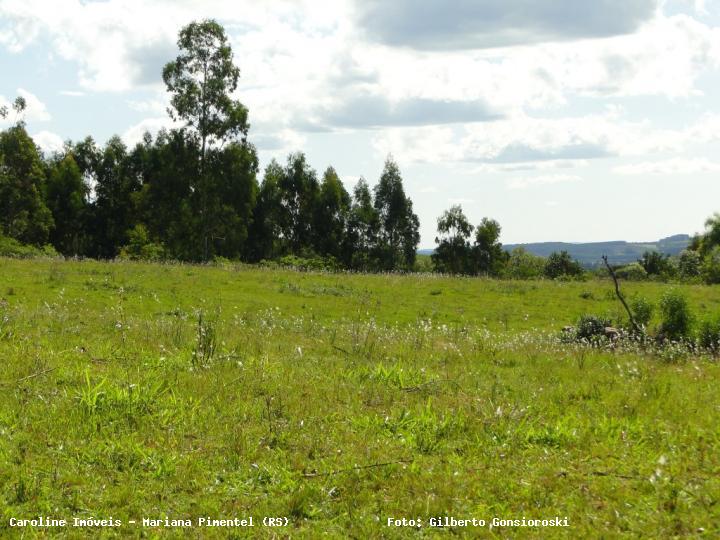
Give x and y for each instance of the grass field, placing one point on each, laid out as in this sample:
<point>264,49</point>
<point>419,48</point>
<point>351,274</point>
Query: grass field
<point>339,401</point>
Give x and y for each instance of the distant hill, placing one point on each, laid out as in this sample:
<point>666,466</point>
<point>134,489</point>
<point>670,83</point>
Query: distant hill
<point>618,252</point>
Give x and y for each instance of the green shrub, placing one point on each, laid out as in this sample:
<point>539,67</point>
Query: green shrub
<point>689,264</point>
<point>524,265</point>
<point>562,265</point>
<point>591,327</point>
<point>308,263</point>
<point>642,311</point>
<point>140,247</point>
<point>709,334</point>
<point>9,247</point>
<point>711,266</point>
<point>632,272</point>
<point>655,263</point>
<point>676,316</point>
<point>423,264</point>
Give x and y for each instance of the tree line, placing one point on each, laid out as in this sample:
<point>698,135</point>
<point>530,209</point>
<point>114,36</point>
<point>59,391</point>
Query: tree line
<point>192,194</point>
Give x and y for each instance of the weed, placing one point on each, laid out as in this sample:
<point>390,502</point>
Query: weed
<point>205,341</point>
<point>642,310</point>
<point>709,334</point>
<point>591,327</point>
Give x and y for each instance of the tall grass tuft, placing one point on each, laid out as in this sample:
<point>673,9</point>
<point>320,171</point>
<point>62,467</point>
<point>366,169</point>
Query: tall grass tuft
<point>205,341</point>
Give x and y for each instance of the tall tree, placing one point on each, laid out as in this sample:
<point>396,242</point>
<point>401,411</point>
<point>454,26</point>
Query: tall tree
<point>399,226</point>
<point>232,191</point>
<point>167,202</point>
<point>67,199</point>
<point>116,179</point>
<point>488,252</point>
<point>201,81</point>
<point>265,239</point>
<point>453,254</point>
<point>299,190</point>
<point>363,223</point>
<point>23,213</point>
<point>331,215</point>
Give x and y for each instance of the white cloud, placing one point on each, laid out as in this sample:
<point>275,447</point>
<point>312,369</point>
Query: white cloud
<point>525,182</point>
<point>156,106</point>
<point>523,142</point>
<point>72,93</point>
<point>665,57</point>
<point>308,55</point>
<point>123,44</point>
<point>670,166</point>
<point>48,141</point>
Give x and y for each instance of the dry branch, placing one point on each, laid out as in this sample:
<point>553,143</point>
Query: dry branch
<point>32,375</point>
<point>635,326</point>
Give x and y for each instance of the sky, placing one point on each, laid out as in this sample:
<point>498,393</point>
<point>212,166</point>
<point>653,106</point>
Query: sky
<point>566,121</point>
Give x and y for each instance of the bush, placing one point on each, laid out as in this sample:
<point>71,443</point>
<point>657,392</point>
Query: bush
<point>689,264</point>
<point>140,247</point>
<point>655,263</point>
<point>642,311</point>
<point>709,334</point>
<point>632,272</point>
<point>676,317</point>
<point>562,265</point>
<point>711,266</point>
<point>591,327</point>
<point>9,247</point>
<point>524,265</point>
<point>308,263</point>
<point>423,264</point>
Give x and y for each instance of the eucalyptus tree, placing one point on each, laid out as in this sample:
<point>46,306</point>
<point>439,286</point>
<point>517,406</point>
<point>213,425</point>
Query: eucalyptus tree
<point>331,215</point>
<point>363,223</point>
<point>201,81</point>
<point>453,254</point>
<point>67,200</point>
<point>488,251</point>
<point>398,232</point>
<point>24,215</point>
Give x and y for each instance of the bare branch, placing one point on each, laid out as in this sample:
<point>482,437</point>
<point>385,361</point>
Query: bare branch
<point>635,326</point>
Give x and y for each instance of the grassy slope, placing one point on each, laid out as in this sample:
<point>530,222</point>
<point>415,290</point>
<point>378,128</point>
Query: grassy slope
<point>319,373</point>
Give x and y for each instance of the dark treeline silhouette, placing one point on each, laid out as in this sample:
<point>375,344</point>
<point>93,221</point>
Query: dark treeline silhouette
<point>192,193</point>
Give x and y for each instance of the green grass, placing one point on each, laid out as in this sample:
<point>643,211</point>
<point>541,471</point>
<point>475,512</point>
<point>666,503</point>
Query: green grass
<point>338,401</point>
